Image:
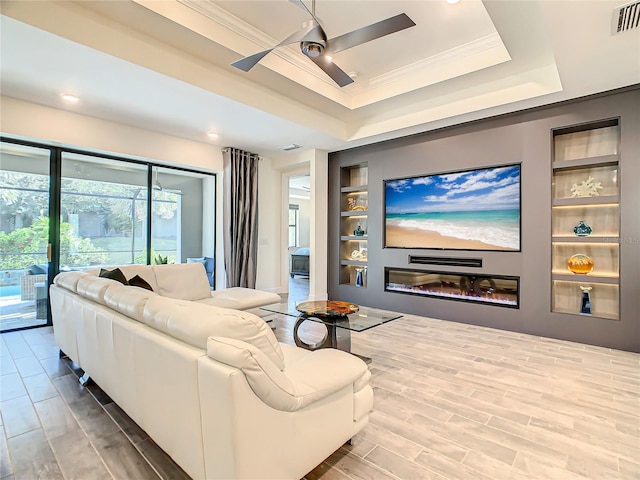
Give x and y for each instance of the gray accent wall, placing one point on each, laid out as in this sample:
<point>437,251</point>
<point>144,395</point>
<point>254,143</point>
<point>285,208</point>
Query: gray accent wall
<point>524,138</point>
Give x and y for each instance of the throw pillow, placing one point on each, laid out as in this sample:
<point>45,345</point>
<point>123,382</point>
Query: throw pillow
<point>138,281</point>
<point>201,260</point>
<point>115,274</point>
<point>38,269</point>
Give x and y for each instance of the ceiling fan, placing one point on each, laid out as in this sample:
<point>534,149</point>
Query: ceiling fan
<point>315,45</point>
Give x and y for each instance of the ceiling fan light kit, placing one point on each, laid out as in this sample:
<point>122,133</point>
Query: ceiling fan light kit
<point>315,45</point>
<point>312,49</point>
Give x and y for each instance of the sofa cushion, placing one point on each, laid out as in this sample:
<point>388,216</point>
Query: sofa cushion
<point>146,272</point>
<point>94,288</point>
<point>184,281</point>
<point>313,378</point>
<point>194,323</point>
<point>138,281</point>
<point>69,280</point>
<point>115,274</point>
<point>129,301</point>
<point>240,298</point>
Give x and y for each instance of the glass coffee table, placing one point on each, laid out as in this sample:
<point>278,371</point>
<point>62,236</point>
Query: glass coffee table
<point>340,319</point>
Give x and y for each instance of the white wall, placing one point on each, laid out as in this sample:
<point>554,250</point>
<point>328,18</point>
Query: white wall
<point>304,220</point>
<point>319,167</point>
<point>30,121</point>
<point>269,228</point>
<point>39,123</point>
<point>315,163</point>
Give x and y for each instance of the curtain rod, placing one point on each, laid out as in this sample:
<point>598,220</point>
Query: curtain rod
<point>226,150</point>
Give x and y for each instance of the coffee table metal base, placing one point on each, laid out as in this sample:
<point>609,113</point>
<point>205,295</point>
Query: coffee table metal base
<point>334,337</point>
<point>339,318</point>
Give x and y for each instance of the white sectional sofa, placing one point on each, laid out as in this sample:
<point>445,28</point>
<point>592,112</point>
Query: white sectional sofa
<point>211,385</point>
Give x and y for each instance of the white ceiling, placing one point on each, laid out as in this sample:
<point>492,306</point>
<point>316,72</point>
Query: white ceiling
<point>165,65</point>
<point>300,186</point>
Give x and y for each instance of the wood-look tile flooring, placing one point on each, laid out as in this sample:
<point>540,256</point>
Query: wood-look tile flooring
<point>452,401</point>
<point>460,402</point>
<point>56,429</point>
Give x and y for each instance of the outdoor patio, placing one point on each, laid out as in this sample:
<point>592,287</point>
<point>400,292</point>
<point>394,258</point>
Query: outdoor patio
<point>15,313</point>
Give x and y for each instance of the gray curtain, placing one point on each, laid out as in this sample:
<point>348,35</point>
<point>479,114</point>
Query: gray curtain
<point>240,217</point>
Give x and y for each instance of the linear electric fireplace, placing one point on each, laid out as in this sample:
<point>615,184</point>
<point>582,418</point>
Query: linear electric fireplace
<point>498,290</point>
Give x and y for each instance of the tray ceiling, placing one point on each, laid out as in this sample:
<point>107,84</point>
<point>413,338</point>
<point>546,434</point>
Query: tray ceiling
<point>166,65</point>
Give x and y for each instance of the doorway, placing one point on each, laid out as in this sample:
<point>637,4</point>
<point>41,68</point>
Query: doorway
<point>299,236</point>
<point>25,183</point>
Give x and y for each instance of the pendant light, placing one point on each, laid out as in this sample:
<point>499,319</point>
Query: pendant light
<point>156,184</point>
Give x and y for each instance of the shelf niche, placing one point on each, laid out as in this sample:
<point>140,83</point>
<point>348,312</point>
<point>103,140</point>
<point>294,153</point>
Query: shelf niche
<point>585,188</point>
<point>354,206</point>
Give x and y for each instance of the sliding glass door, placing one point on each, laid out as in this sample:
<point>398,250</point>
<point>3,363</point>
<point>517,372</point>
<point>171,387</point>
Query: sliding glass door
<point>103,212</point>
<point>25,183</point>
<point>183,218</point>
<point>65,209</point>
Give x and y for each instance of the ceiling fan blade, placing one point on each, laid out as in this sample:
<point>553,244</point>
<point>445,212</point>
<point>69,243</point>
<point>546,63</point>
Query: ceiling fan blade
<point>247,63</point>
<point>301,4</point>
<point>310,31</point>
<point>335,72</point>
<point>371,32</point>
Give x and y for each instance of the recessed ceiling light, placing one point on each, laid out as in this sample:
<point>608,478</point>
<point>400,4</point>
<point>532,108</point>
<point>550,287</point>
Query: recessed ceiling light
<point>452,2</point>
<point>353,75</point>
<point>212,134</point>
<point>328,58</point>
<point>67,97</point>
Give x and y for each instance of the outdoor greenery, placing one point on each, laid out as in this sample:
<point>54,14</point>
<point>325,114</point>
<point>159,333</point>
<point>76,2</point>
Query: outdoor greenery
<point>99,221</point>
<point>160,260</point>
<point>28,246</point>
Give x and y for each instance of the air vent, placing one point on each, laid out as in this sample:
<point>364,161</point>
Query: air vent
<point>288,148</point>
<point>626,17</point>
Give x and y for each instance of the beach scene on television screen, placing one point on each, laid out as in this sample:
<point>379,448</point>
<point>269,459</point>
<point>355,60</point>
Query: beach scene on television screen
<point>470,210</point>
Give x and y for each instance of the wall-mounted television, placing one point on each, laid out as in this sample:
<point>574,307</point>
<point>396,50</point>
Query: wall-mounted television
<point>475,209</point>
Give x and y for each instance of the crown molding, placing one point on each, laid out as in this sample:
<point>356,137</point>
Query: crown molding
<point>254,35</point>
<point>246,39</point>
<point>231,22</point>
<point>454,55</point>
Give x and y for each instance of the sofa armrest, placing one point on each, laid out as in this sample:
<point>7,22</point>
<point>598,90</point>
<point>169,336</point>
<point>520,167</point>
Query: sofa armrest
<point>328,370</point>
<point>318,375</point>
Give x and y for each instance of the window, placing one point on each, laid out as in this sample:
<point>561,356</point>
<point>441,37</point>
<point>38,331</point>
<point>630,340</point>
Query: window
<point>66,209</point>
<point>293,225</point>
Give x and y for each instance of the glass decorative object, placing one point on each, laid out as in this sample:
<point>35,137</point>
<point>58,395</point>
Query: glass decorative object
<point>359,277</point>
<point>585,303</point>
<point>580,264</point>
<point>359,232</point>
<point>582,229</point>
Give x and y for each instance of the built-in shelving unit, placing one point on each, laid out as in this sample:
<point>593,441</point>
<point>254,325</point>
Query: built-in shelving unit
<point>354,208</point>
<point>586,219</point>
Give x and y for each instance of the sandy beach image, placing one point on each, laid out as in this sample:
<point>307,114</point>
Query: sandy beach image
<point>466,210</point>
<point>417,237</point>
